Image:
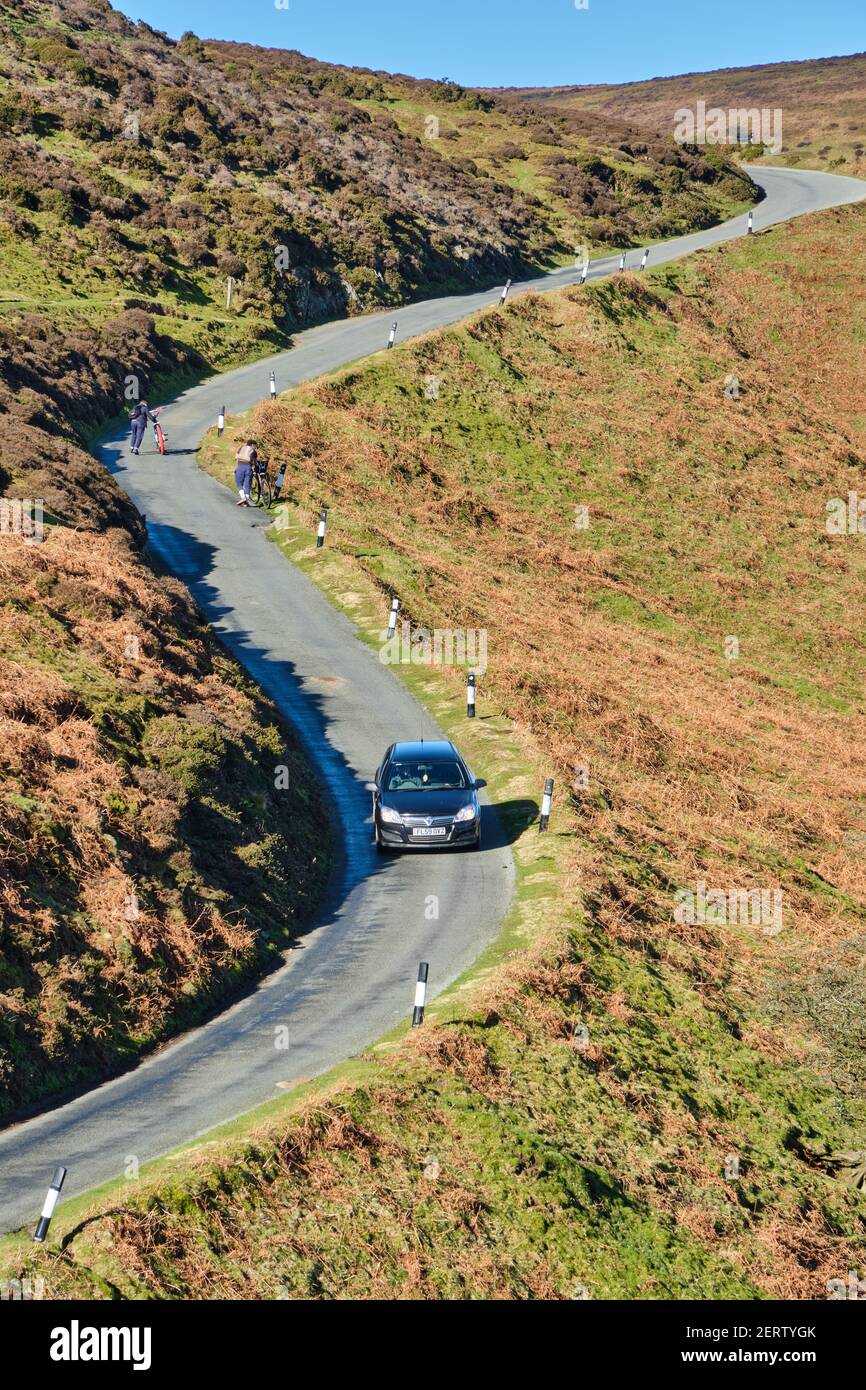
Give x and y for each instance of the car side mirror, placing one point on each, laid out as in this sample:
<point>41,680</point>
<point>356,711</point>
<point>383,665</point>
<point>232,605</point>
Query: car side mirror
<point>479,783</point>
<point>370,787</point>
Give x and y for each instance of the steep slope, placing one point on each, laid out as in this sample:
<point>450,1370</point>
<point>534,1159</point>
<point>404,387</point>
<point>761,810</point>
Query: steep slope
<point>821,99</point>
<point>150,862</point>
<point>151,859</point>
<point>133,165</point>
<point>642,1101</point>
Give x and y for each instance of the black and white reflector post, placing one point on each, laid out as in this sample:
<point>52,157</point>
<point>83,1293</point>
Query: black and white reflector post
<point>470,695</point>
<point>643,260</point>
<point>420,994</point>
<point>622,260</point>
<point>584,272</point>
<point>320,534</point>
<point>273,386</point>
<point>392,620</point>
<point>50,1203</point>
<point>392,335</point>
<point>546,801</point>
<point>751,220</point>
<point>278,485</point>
<point>221,421</point>
<point>504,295</point>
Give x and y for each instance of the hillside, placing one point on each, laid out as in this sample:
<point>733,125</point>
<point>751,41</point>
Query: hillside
<point>136,166</point>
<point>149,866</point>
<point>822,101</point>
<point>689,663</point>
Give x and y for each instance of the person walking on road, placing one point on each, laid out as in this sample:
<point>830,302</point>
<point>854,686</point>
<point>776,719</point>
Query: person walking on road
<point>138,420</point>
<point>245,457</point>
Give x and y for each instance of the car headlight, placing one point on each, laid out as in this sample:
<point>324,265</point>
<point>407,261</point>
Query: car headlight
<point>466,813</point>
<point>389,816</point>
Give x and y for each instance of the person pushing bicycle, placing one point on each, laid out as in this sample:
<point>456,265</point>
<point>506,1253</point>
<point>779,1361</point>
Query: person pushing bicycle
<point>246,459</point>
<point>138,420</point>
<point>251,476</point>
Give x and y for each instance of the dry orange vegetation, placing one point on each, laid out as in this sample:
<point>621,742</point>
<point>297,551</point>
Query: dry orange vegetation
<point>138,884</point>
<point>144,856</point>
<point>707,519</point>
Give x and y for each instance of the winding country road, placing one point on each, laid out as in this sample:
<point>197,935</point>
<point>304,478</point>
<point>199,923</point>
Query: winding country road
<point>352,976</point>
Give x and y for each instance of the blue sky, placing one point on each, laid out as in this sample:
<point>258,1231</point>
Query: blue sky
<point>527,42</point>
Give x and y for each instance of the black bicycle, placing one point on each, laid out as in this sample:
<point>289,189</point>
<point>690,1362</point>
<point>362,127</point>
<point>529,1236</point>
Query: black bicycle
<point>260,489</point>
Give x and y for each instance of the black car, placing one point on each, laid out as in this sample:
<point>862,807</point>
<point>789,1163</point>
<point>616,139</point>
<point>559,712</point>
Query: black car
<point>424,797</point>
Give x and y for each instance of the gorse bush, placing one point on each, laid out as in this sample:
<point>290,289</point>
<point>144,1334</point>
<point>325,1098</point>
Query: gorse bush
<point>62,59</point>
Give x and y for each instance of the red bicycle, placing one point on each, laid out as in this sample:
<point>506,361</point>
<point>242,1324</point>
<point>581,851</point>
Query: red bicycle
<point>158,431</point>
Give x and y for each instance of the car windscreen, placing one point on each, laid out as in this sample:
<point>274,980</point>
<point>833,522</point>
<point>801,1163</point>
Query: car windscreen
<point>418,776</point>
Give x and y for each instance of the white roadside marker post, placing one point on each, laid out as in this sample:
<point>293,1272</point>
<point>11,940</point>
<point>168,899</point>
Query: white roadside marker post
<point>393,334</point>
<point>546,801</point>
<point>50,1203</point>
<point>420,995</point>
<point>622,260</point>
<point>584,272</point>
<point>504,294</point>
<point>470,695</point>
<point>320,534</point>
<point>392,619</point>
<point>221,421</point>
<point>273,385</point>
<point>278,485</point>
<point>643,260</point>
<point>751,220</point>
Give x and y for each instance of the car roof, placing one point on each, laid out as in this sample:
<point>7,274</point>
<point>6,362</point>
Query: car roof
<point>425,748</point>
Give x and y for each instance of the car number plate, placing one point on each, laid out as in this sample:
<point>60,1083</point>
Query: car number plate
<point>429,832</point>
